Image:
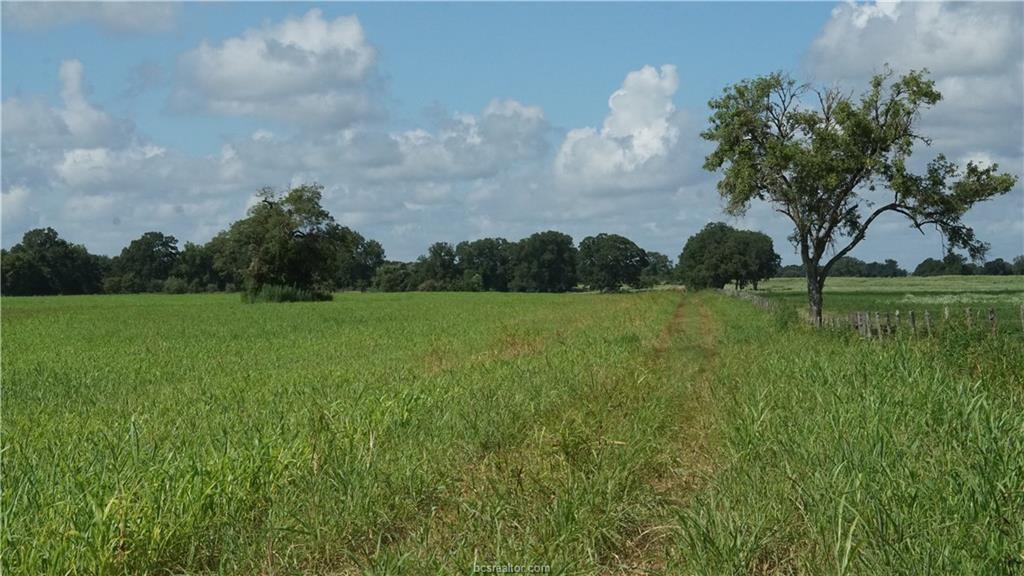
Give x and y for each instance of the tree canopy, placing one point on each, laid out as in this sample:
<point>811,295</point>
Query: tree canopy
<point>819,155</point>
<point>608,261</point>
<point>720,254</point>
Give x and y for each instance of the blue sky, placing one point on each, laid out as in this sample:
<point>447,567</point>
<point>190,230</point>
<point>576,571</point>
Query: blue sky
<point>453,121</point>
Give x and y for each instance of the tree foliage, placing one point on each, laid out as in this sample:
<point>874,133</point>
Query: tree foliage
<point>609,261</point>
<point>720,254</point>
<point>817,156</point>
<point>43,263</point>
<point>544,262</point>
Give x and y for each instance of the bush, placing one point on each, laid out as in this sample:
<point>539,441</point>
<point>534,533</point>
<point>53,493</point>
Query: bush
<point>275,293</point>
<point>175,285</point>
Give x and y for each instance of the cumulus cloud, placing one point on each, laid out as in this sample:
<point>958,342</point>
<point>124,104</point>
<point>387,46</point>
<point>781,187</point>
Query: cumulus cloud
<point>975,54</point>
<point>639,145</point>
<point>137,17</point>
<point>307,70</point>
<point>974,51</point>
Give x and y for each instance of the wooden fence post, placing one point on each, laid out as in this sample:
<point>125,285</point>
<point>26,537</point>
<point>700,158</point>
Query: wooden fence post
<point>878,324</point>
<point>992,319</point>
<point>928,322</point>
<point>888,323</point>
<point>945,314</point>
<point>913,324</point>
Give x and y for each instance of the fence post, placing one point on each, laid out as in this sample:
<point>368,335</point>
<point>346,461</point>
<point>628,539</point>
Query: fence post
<point>992,319</point>
<point>913,324</point>
<point>878,324</point>
<point>945,314</point>
<point>897,322</point>
<point>928,322</point>
<point>888,323</point>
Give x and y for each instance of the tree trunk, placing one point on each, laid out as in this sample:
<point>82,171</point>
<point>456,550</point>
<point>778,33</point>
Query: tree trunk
<point>814,289</point>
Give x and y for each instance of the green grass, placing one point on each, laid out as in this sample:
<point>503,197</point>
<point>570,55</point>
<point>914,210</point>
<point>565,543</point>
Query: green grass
<point>1003,294</point>
<point>423,433</point>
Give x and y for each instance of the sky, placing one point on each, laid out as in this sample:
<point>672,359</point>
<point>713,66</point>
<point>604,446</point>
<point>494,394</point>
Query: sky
<point>434,122</point>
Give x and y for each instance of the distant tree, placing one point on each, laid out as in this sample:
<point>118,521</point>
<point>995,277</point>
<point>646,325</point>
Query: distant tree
<point>719,254</point>
<point>848,266</point>
<point>286,239</point>
<point>888,269</point>
<point>659,270</point>
<point>792,271</point>
<point>544,262</point>
<point>997,267</point>
<point>1018,265</point>
<point>813,164</point>
<point>607,261</point>
<point>146,262</point>
<point>752,258</point>
<point>393,277</point>
<point>930,267</point>
<point>43,263</point>
<point>438,269</point>
<point>356,258</point>
<point>703,263</point>
<point>488,259</point>
<point>195,269</point>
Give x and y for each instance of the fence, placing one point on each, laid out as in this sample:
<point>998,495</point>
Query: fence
<point>880,324</point>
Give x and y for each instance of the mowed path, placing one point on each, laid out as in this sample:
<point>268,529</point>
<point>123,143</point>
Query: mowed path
<point>685,355</point>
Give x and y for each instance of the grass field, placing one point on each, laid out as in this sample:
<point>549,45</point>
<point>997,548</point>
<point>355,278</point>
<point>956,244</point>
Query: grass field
<point>656,432</point>
<point>1003,294</point>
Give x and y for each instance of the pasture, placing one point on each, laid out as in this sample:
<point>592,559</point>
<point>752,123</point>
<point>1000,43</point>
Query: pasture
<point>651,432</point>
<point>1003,294</point>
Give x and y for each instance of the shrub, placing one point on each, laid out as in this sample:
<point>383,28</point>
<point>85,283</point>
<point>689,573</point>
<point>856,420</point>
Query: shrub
<point>276,293</point>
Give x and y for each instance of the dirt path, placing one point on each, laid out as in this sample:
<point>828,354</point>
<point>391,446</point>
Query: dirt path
<point>686,353</point>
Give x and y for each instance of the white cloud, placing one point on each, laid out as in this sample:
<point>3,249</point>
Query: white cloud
<point>138,17</point>
<point>975,54</point>
<point>639,145</point>
<point>315,72</point>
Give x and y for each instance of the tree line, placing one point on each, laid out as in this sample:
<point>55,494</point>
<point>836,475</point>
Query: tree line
<point>288,247</point>
<point>952,264</point>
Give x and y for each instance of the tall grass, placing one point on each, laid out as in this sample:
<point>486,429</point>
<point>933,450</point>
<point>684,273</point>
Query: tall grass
<point>844,456</point>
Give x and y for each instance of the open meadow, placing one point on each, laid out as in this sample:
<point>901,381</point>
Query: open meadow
<point>652,432</point>
<point>1004,295</point>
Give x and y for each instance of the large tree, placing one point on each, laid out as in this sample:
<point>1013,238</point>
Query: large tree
<point>544,262</point>
<point>285,240</point>
<point>720,254</point>
<point>488,259</point>
<point>43,263</point>
<point>145,263</point>
<point>607,261</point>
<point>816,155</point>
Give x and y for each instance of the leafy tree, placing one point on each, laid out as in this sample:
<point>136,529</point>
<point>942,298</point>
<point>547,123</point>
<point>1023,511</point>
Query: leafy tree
<point>752,258</point>
<point>792,271</point>
<point>195,268</point>
<point>43,263</point>
<point>544,262</point>
<point>997,267</point>
<point>930,267</point>
<point>393,277</point>
<point>607,261</point>
<point>719,254</point>
<point>146,262</point>
<point>813,164</point>
<point>1018,265</point>
<point>439,269</point>
<point>659,269</point>
<point>356,257</point>
<point>486,258</point>
<point>703,261</point>
<point>285,240</point>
